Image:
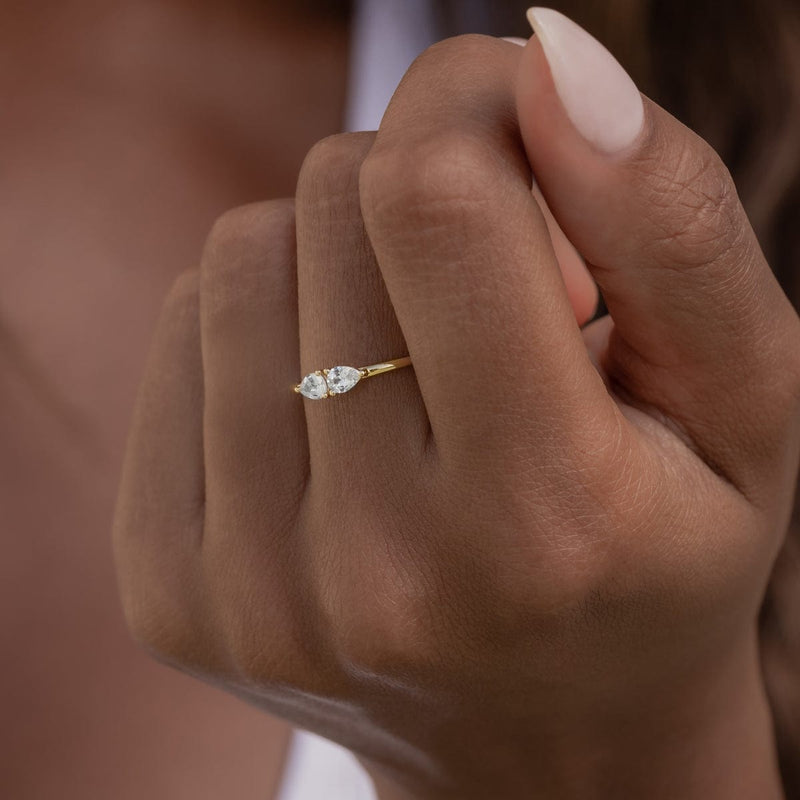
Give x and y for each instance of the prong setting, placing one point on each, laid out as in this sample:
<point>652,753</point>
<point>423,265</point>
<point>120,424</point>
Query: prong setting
<point>342,379</point>
<point>325,383</point>
<point>313,386</point>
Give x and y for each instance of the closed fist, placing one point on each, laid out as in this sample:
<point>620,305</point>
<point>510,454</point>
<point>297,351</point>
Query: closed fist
<point>532,564</point>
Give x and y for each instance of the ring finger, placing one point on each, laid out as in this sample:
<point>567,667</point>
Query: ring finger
<point>346,319</point>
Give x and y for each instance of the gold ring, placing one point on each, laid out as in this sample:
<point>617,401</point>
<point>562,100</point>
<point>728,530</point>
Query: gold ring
<point>338,380</point>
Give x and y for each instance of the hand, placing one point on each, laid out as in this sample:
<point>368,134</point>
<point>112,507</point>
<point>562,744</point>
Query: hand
<point>532,565</point>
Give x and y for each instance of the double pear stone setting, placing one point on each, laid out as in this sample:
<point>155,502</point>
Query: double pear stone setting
<point>327,382</point>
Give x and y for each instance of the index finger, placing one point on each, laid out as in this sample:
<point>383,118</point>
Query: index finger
<point>467,260</point>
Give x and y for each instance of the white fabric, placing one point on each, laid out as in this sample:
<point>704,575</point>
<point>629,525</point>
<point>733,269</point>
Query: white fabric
<point>321,770</point>
<point>387,36</point>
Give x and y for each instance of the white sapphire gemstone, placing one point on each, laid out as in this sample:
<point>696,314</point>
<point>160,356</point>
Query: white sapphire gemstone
<point>314,387</point>
<point>342,379</point>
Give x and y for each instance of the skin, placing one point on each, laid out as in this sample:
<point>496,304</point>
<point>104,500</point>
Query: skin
<point>113,171</point>
<point>544,583</point>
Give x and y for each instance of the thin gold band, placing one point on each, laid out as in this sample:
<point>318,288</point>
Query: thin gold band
<point>338,380</point>
<point>385,366</point>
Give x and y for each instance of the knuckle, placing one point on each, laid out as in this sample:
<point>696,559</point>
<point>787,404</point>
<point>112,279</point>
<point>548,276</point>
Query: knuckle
<point>462,57</point>
<point>247,236</point>
<point>253,647</point>
<point>793,363</point>
<point>389,636</point>
<point>394,630</point>
<point>154,575</point>
<point>243,232</point>
<point>779,378</point>
<point>548,578</point>
<point>557,527</point>
<point>330,169</point>
<point>695,206</point>
<point>148,629</point>
<point>250,253</point>
<point>463,45</point>
<point>185,289</point>
<point>442,181</point>
<point>255,623</point>
<point>159,623</point>
<point>183,299</point>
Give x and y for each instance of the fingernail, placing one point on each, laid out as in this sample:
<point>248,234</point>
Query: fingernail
<point>515,40</point>
<point>599,97</point>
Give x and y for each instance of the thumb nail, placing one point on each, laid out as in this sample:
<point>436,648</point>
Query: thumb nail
<point>599,97</point>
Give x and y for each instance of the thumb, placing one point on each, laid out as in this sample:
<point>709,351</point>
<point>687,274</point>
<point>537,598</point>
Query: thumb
<point>702,331</point>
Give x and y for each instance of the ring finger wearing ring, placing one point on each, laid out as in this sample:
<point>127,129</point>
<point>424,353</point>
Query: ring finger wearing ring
<point>347,318</point>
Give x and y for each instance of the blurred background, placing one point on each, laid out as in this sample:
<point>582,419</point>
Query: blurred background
<point>126,128</point>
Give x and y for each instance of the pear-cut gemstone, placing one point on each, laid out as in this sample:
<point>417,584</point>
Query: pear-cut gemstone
<point>342,379</point>
<point>314,387</point>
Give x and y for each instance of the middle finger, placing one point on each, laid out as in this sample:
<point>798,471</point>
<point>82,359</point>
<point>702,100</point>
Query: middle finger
<point>470,267</point>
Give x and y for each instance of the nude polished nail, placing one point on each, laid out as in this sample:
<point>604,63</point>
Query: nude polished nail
<point>600,99</point>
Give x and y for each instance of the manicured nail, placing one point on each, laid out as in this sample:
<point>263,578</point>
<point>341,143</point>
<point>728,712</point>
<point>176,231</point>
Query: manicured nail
<point>599,97</point>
